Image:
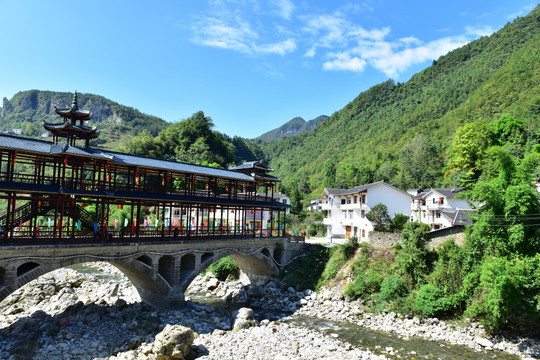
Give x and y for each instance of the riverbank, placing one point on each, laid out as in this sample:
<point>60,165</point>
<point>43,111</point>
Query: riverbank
<point>98,315</point>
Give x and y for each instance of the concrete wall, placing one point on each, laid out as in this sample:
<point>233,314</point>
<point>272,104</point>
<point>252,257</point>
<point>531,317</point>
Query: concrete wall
<point>456,233</point>
<point>382,240</point>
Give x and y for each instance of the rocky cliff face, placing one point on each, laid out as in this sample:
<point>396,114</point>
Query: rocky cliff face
<point>44,103</point>
<point>27,110</point>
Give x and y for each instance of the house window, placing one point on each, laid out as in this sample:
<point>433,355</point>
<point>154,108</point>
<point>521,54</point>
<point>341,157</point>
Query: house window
<point>434,200</point>
<point>284,201</point>
<point>343,201</point>
<point>349,200</point>
<point>363,214</point>
<point>438,215</point>
<point>363,233</point>
<point>355,199</point>
<point>350,214</point>
<point>363,199</point>
<point>344,214</point>
<point>424,214</point>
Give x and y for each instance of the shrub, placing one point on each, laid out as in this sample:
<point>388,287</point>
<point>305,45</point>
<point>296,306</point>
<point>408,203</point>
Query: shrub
<point>224,267</point>
<point>398,222</point>
<point>430,301</point>
<point>362,262</point>
<point>448,273</point>
<point>349,248</point>
<point>392,287</point>
<point>364,284</point>
<point>508,293</point>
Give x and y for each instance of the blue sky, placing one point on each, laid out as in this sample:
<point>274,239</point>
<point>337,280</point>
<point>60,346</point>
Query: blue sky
<point>251,65</point>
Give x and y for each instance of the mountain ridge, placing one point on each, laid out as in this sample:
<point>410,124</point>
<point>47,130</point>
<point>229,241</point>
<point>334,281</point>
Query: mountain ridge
<point>293,127</point>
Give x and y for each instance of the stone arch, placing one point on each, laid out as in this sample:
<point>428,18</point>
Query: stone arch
<point>26,267</point>
<point>206,257</point>
<point>256,266</point>
<point>145,259</point>
<point>266,252</point>
<point>278,253</point>
<point>166,268</point>
<point>187,266</point>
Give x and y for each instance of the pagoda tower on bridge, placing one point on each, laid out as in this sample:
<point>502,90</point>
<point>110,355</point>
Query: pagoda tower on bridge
<point>69,129</point>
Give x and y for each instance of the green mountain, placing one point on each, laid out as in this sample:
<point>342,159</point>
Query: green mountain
<point>376,136</point>
<point>293,127</point>
<point>116,123</point>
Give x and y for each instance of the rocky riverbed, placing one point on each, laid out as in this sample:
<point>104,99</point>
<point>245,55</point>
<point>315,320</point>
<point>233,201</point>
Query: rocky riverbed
<point>93,312</point>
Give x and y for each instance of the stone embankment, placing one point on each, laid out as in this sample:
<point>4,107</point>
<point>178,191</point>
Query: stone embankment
<point>70,315</point>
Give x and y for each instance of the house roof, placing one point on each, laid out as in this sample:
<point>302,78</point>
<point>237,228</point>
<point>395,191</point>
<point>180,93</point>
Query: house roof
<point>251,165</point>
<point>461,217</point>
<point>448,193</point>
<point>358,189</point>
<point>21,144</point>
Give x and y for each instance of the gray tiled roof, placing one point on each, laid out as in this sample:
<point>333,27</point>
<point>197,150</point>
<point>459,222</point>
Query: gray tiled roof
<point>353,190</point>
<point>39,146</point>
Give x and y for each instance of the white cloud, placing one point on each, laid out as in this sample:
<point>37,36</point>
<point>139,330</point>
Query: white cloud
<point>258,27</point>
<point>218,33</point>
<point>280,48</point>
<point>343,61</point>
<point>285,8</point>
<point>479,31</point>
<point>390,58</point>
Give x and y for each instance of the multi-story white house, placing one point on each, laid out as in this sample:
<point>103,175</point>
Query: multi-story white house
<point>438,208</point>
<point>318,204</point>
<point>347,208</point>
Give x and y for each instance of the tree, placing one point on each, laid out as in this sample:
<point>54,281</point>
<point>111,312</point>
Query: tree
<point>329,173</point>
<point>191,140</point>
<point>468,149</point>
<point>411,260</point>
<point>420,161</point>
<point>379,216</point>
<point>505,223</point>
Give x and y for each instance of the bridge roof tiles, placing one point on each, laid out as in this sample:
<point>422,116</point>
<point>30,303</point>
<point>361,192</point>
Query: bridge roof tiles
<point>44,147</point>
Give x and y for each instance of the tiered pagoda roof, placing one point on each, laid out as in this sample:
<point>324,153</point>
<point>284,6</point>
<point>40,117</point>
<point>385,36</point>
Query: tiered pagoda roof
<point>69,129</point>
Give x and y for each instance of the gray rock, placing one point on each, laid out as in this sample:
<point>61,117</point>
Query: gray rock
<point>173,342</point>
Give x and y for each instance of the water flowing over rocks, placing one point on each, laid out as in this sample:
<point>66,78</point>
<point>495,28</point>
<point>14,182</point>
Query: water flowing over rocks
<point>67,314</point>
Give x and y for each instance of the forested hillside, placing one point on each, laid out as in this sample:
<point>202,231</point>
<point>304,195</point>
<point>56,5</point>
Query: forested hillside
<point>116,123</point>
<point>403,132</point>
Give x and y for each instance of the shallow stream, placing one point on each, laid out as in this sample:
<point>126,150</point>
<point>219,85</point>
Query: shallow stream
<point>378,342</point>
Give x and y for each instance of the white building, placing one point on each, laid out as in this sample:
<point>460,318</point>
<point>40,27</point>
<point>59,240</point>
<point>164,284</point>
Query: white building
<point>438,208</point>
<point>282,198</point>
<point>318,204</point>
<point>347,208</point>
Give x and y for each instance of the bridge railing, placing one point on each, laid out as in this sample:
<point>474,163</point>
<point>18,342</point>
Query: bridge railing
<point>46,236</point>
<point>295,238</point>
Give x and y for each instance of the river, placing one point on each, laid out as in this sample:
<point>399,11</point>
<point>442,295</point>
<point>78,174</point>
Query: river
<point>378,342</point>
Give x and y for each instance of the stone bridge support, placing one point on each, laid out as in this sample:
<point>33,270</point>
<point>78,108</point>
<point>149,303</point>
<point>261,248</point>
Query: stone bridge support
<point>161,273</point>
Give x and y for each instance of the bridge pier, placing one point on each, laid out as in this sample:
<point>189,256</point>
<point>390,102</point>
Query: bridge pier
<point>161,273</point>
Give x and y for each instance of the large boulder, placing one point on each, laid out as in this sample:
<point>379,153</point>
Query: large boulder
<point>174,342</point>
<point>243,319</point>
<point>212,284</point>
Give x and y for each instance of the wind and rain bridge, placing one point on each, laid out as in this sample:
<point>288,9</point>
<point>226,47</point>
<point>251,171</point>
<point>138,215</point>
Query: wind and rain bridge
<point>160,222</point>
